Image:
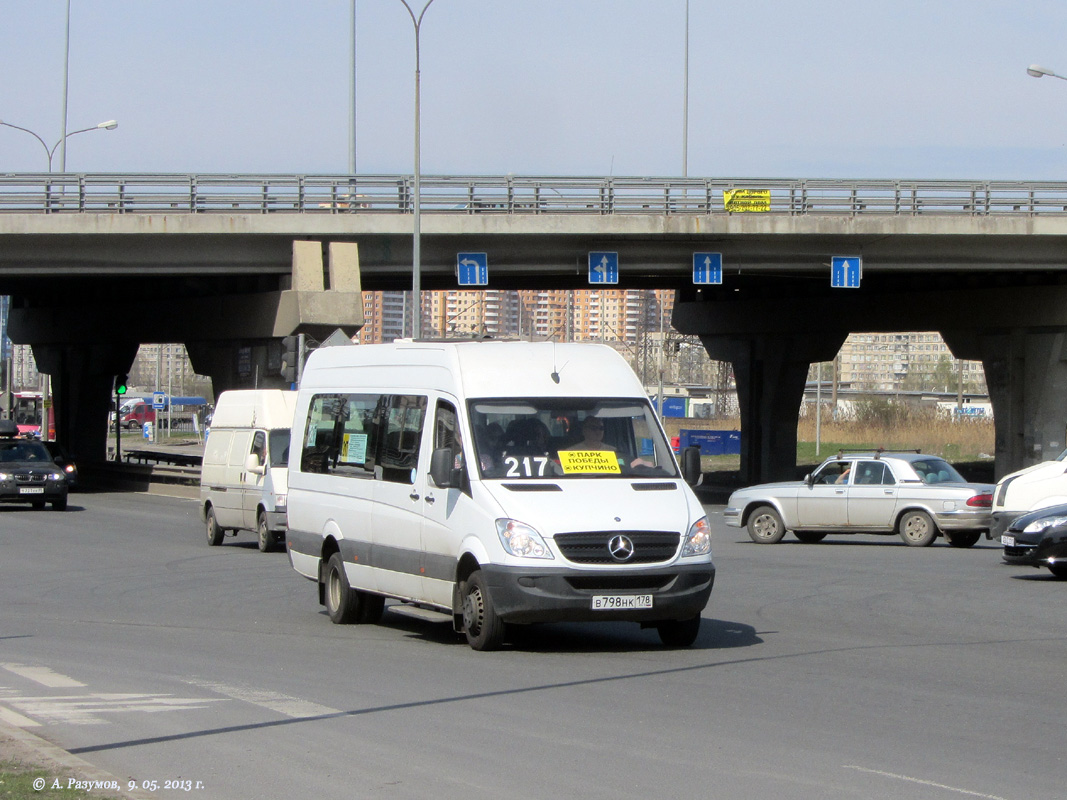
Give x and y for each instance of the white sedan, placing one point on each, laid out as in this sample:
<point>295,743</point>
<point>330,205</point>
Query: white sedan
<point>914,495</point>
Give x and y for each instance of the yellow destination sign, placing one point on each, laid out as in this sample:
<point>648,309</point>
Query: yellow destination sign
<point>600,462</point>
<point>746,199</point>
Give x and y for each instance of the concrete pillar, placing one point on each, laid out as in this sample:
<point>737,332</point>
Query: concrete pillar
<point>1026,373</point>
<point>771,371</point>
<point>82,384</point>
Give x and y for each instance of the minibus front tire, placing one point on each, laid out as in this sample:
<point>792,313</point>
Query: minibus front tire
<point>483,628</point>
<point>679,632</point>
<point>344,604</point>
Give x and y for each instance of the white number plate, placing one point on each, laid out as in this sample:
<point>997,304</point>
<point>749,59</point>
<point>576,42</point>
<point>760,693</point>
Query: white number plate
<point>1007,541</point>
<point>611,602</point>
<point>31,490</point>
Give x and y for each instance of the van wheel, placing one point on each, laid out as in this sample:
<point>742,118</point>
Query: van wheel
<point>215,534</point>
<point>917,529</point>
<point>679,632</point>
<point>484,629</point>
<point>266,536</point>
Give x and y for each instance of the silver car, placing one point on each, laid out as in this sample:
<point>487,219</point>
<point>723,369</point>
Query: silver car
<point>917,496</point>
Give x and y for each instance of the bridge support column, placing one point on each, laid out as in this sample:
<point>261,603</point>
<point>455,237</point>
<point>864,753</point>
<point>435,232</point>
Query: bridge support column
<point>82,384</point>
<point>771,371</point>
<point>1026,373</point>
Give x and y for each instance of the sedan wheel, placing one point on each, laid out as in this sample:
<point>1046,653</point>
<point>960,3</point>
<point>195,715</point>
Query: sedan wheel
<point>917,529</point>
<point>765,526</point>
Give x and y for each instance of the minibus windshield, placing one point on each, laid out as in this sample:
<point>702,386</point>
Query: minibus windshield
<point>562,438</point>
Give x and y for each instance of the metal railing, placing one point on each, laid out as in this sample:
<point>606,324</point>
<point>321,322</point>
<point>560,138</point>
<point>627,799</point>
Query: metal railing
<point>51,193</point>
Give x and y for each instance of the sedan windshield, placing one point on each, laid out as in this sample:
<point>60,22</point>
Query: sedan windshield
<point>556,438</point>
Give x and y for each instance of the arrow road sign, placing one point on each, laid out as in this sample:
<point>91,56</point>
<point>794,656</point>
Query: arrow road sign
<point>603,267</point>
<point>846,272</point>
<point>707,267</point>
<point>472,269</point>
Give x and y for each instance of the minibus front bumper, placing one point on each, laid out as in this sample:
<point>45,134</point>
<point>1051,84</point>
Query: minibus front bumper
<point>570,595</point>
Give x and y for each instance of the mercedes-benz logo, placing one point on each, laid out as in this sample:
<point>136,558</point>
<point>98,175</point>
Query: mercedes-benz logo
<point>621,548</point>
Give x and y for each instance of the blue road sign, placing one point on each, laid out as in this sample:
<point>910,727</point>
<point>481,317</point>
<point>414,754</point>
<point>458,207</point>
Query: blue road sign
<point>603,267</point>
<point>707,267</point>
<point>472,269</point>
<point>846,272</point>
<point>159,400</point>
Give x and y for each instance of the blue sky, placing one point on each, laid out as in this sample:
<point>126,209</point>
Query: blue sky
<point>816,89</point>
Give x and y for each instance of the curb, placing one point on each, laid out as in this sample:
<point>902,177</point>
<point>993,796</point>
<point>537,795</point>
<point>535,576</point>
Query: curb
<point>19,745</point>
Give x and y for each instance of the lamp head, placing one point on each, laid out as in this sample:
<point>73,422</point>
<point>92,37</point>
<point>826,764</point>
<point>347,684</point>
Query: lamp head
<point>109,125</point>
<point>1037,71</point>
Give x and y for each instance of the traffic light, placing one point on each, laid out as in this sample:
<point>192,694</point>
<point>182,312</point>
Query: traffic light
<point>290,358</point>
<point>120,384</point>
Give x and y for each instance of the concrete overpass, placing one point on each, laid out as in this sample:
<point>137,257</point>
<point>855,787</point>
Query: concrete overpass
<point>97,264</point>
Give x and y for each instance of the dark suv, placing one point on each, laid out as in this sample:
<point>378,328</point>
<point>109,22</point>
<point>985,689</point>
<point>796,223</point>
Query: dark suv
<point>27,472</point>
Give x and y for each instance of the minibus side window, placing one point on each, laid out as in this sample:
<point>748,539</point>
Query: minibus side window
<point>340,435</point>
<point>446,434</point>
<point>402,431</point>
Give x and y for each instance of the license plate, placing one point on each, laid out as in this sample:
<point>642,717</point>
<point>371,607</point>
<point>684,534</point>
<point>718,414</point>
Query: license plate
<point>31,490</point>
<point>1007,541</point>
<point>613,602</point>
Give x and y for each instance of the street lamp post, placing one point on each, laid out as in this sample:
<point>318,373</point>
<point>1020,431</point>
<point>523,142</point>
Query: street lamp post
<point>50,152</point>
<point>416,254</point>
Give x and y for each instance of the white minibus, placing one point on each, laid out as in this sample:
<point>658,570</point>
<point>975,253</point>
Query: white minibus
<point>501,482</point>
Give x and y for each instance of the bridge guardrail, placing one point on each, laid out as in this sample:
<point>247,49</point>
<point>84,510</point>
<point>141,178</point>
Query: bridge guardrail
<point>110,193</point>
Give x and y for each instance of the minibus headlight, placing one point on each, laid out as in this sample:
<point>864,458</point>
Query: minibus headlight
<point>519,539</point>
<point>698,540</point>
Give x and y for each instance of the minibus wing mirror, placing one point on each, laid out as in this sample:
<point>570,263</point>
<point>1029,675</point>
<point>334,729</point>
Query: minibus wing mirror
<point>441,462</point>
<point>691,472</point>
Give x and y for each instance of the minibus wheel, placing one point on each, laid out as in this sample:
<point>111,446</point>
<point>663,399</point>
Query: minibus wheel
<point>483,628</point>
<point>342,603</point>
<point>679,632</point>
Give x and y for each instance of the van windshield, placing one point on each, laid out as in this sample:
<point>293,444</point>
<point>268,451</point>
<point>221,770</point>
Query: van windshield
<point>562,438</point>
<point>279,447</point>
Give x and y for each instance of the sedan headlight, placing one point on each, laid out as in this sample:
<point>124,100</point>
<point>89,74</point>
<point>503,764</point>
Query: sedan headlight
<point>698,540</point>
<point>519,539</point>
<point>1044,523</point>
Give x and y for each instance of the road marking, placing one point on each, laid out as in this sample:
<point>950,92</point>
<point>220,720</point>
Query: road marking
<point>282,704</point>
<point>16,719</point>
<point>83,709</point>
<point>956,789</point>
<point>43,676</point>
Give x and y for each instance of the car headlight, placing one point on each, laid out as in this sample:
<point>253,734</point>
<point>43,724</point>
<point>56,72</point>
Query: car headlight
<point>55,476</point>
<point>698,540</point>
<point>4,476</point>
<point>1044,523</point>
<point>519,539</point>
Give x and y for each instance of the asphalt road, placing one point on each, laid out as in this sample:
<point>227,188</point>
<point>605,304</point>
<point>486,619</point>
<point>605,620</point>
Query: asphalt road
<point>854,668</point>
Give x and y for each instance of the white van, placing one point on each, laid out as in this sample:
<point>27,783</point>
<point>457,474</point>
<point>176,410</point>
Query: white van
<point>469,477</point>
<point>243,480</point>
<point>1038,486</point>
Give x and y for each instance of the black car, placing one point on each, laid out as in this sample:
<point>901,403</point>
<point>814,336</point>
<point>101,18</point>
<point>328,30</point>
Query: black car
<point>27,472</point>
<point>65,462</point>
<point>1038,539</point>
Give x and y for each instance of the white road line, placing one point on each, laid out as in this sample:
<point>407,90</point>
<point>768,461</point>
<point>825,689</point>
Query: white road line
<point>956,789</point>
<point>16,719</point>
<point>273,701</point>
<point>43,676</point>
<point>84,709</point>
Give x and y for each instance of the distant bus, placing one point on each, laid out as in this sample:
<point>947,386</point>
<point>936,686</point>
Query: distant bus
<point>27,411</point>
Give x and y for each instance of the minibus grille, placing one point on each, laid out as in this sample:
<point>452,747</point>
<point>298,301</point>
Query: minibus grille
<point>594,547</point>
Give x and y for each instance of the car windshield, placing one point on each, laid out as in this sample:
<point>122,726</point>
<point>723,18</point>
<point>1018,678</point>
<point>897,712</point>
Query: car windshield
<point>936,470</point>
<point>23,451</point>
<point>563,438</point>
